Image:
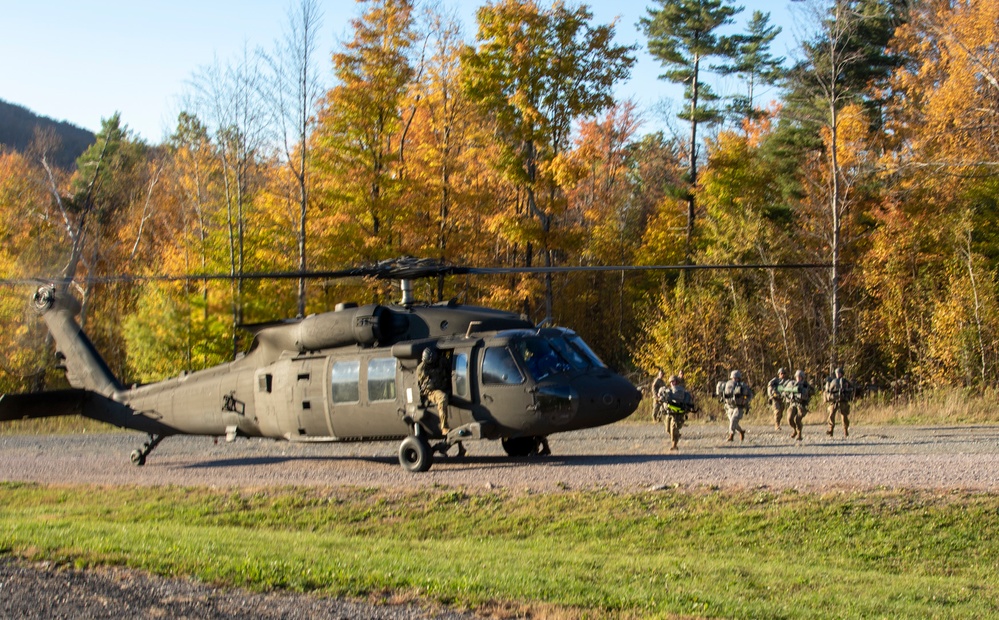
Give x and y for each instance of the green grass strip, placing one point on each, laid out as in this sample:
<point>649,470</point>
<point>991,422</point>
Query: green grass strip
<point>724,554</point>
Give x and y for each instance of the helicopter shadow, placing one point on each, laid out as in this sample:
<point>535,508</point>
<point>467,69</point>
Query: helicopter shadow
<point>263,461</point>
<point>498,461</point>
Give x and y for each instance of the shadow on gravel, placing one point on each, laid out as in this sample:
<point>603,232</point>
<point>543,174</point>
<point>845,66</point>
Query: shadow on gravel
<point>260,461</point>
<point>493,462</point>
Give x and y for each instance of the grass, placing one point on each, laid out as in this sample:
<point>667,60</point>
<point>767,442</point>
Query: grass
<point>686,553</point>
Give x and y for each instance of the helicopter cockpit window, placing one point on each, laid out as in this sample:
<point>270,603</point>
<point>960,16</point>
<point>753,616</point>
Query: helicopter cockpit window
<point>573,355</point>
<point>540,358</point>
<point>460,375</point>
<point>498,367</point>
<point>345,377</point>
<point>381,379</point>
<point>578,344</point>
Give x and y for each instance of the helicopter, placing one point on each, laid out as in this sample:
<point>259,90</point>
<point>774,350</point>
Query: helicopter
<point>350,375</point>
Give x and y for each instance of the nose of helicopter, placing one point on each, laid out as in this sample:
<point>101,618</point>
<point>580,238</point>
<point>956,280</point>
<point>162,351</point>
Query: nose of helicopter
<point>605,399</point>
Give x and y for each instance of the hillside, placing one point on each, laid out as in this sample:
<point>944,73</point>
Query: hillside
<point>17,128</point>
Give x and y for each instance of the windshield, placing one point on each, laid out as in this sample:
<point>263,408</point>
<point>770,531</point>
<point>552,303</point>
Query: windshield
<point>540,358</point>
<point>570,353</point>
<point>580,346</point>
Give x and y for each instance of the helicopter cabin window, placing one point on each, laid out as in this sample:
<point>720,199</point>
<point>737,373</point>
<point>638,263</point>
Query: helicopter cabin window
<point>345,378</point>
<point>460,375</point>
<point>381,379</point>
<point>498,367</point>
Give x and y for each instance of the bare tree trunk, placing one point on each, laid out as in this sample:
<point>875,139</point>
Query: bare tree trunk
<point>978,306</point>
<point>691,206</point>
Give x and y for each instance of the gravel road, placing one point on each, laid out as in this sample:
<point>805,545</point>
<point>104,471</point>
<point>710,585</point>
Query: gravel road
<point>622,456</point>
<point>626,457</point>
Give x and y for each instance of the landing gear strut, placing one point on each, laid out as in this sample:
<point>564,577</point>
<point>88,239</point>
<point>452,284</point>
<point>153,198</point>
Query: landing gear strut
<point>138,457</point>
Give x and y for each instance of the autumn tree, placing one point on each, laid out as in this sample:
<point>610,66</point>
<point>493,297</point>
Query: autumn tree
<point>934,277</point>
<point>683,35</point>
<point>536,71</point>
<point>361,138</point>
<point>28,248</point>
<point>842,63</point>
<point>602,193</point>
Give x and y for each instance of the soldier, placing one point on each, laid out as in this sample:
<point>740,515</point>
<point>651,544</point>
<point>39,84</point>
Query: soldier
<point>838,393</point>
<point>658,384</point>
<point>677,403</point>
<point>775,399</point>
<point>434,379</point>
<point>798,393</point>
<point>735,395</point>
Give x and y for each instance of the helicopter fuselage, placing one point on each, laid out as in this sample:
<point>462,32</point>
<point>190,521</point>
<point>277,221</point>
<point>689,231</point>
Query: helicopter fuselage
<point>356,393</point>
<point>350,375</point>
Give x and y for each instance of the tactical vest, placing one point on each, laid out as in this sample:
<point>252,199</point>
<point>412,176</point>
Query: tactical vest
<point>839,390</point>
<point>735,393</point>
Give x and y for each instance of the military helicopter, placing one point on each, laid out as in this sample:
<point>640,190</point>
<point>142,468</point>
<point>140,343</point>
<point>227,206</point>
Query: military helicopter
<point>349,375</point>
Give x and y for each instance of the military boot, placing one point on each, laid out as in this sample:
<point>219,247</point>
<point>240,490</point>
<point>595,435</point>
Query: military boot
<point>742,435</point>
<point>731,436</point>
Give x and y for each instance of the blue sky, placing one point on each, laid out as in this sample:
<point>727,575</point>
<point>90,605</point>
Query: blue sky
<point>81,61</point>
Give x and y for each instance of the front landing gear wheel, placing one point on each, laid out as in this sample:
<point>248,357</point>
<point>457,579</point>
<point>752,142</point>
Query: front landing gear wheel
<point>520,446</point>
<point>138,458</point>
<point>415,454</point>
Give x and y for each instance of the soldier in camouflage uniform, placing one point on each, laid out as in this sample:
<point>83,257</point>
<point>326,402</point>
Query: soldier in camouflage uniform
<point>735,395</point>
<point>777,404</point>
<point>798,393</point>
<point>658,405</point>
<point>838,393</point>
<point>677,403</point>
<point>434,379</point>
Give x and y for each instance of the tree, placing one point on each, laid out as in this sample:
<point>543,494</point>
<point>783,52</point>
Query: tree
<point>28,246</point>
<point>228,97</point>
<point>361,139</point>
<point>536,72</point>
<point>843,62</point>
<point>754,64</point>
<point>682,36</point>
<point>294,95</point>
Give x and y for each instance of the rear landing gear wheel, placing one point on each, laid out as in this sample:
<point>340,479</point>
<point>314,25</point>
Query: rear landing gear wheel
<point>138,457</point>
<point>415,454</point>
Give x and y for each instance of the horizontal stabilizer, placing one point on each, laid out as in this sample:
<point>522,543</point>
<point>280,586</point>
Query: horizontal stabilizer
<point>41,405</point>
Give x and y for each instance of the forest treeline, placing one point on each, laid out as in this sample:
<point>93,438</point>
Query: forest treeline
<point>507,147</point>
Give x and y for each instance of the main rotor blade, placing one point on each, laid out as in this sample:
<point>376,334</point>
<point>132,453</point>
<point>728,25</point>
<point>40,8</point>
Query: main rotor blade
<point>570,269</point>
<point>413,269</point>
